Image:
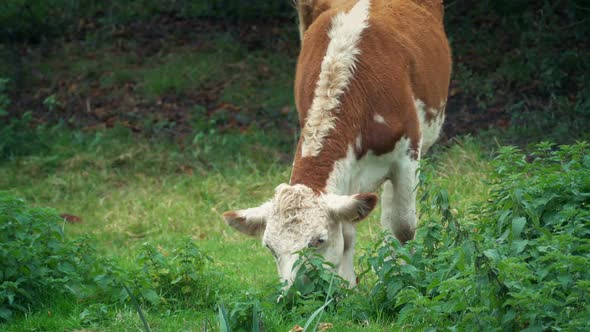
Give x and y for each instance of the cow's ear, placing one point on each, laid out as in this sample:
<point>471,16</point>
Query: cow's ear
<point>350,208</point>
<point>249,221</point>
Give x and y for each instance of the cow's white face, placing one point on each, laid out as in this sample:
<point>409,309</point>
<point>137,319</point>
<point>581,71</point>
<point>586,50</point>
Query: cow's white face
<point>297,218</point>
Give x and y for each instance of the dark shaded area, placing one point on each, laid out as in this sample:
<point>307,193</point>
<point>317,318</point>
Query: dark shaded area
<point>520,67</point>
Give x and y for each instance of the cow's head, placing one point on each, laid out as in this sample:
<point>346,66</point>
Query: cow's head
<point>297,218</point>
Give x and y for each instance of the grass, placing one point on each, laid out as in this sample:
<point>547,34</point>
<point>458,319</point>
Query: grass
<point>129,190</point>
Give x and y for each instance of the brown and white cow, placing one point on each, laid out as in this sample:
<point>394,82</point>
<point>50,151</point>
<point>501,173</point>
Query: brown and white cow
<point>371,88</point>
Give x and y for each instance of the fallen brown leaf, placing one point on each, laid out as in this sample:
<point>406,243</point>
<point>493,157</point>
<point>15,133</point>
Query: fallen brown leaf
<point>71,218</point>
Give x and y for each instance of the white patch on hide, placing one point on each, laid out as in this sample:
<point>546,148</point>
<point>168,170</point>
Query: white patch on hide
<point>379,119</point>
<point>336,71</point>
<point>398,200</point>
<point>430,129</point>
<point>351,176</point>
<point>359,142</point>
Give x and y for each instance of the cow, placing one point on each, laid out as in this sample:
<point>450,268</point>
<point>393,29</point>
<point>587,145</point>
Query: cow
<point>371,87</point>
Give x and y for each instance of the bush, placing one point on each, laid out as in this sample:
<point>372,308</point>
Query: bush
<point>179,276</point>
<point>315,289</point>
<point>36,260</point>
<point>173,278</point>
<point>522,265</point>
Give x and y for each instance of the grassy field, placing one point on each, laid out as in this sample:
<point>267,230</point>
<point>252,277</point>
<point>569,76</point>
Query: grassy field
<point>129,191</point>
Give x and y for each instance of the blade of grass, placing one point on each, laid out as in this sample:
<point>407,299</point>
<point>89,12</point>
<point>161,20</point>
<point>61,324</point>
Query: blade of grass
<point>138,308</point>
<point>315,313</point>
<point>320,310</point>
<point>223,321</point>
<point>255,318</point>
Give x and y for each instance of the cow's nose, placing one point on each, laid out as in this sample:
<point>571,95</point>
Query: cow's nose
<point>287,271</point>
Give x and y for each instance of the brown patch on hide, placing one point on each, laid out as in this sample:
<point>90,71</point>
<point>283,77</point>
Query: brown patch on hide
<point>368,203</point>
<point>252,228</point>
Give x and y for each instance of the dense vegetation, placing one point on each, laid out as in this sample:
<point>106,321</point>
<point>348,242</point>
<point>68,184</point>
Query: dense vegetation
<point>139,122</point>
<point>517,260</point>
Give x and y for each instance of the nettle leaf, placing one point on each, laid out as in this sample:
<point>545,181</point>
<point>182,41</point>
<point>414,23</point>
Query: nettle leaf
<point>150,295</point>
<point>492,254</point>
<point>36,258</point>
<point>518,224</point>
<point>519,245</point>
<point>5,313</point>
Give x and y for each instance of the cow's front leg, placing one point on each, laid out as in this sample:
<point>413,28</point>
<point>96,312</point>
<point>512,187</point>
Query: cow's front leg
<point>398,201</point>
<point>346,268</point>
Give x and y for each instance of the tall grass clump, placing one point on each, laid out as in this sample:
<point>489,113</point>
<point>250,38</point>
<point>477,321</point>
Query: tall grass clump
<point>518,261</point>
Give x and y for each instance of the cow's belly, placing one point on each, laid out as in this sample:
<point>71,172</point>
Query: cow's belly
<point>351,175</point>
<point>431,122</point>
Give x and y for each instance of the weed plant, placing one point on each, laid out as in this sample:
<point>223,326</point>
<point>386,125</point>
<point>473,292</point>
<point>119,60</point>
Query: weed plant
<point>518,261</point>
<point>37,261</point>
<point>523,264</point>
<point>315,284</point>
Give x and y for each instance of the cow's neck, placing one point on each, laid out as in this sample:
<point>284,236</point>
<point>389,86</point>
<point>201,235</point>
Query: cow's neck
<point>323,173</point>
<point>347,169</point>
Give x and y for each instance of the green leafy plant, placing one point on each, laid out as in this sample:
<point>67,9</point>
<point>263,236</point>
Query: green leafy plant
<point>314,285</point>
<point>179,276</point>
<point>246,314</point>
<point>95,314</point>
<point>36,259</point>
<point>523,264</point>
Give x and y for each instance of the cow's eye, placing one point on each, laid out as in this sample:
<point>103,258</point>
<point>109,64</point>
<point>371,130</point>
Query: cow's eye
<point>316,242</point>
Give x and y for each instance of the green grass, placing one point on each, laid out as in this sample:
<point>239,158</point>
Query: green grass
<point>130,190</point>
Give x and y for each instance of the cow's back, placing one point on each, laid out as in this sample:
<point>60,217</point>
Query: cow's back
<point>402,58</point>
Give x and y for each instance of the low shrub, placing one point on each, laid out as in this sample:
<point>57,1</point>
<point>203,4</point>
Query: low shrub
<point>522,265</point>
<point>36,259</point>
<point>315,289</point>
<point>246,313</point>
<point>176,277</point>
<point>179,275</point>
<point>38,262</point>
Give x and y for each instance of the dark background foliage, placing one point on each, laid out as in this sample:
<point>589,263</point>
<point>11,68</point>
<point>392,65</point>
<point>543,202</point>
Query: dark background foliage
<point>519,66</point>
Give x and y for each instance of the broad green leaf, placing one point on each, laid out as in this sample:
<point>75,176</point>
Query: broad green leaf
<point>151,296</point>
<point>224,325</point>
<point>517,226</point>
